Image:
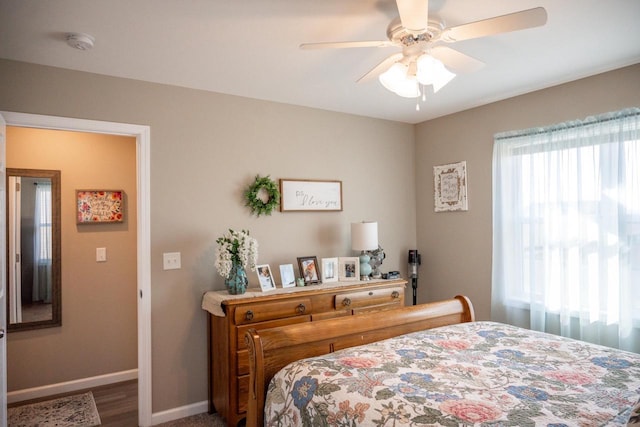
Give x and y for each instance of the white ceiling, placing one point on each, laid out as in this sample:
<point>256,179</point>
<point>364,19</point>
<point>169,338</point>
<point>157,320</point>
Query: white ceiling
<point>250,47</point>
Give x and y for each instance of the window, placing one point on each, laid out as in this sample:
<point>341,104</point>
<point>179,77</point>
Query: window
<point>42,216</point>
<point>566,229</point>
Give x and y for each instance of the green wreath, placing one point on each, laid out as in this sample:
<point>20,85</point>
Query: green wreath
<point>255,203</point>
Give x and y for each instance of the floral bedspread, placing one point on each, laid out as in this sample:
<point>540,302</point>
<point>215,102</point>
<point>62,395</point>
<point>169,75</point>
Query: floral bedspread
<point>479,373</point>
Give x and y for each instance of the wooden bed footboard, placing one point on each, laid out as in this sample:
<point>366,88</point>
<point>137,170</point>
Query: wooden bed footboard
<point>272,349</point>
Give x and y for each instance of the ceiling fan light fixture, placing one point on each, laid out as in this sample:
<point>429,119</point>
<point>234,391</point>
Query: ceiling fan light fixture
<point>396,73</point>
<point>432,71</point>
<point>397,80</point>
<point>409,89</point>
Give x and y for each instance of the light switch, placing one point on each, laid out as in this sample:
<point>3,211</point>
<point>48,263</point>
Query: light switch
<point>101,254</point>
<point>171,260</point>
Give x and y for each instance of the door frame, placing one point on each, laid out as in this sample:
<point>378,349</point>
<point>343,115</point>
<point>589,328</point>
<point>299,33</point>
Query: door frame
<point>14,262</point>
<point>143,165</point>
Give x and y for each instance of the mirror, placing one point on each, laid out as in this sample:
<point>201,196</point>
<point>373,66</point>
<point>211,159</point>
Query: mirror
<point>33,249</point>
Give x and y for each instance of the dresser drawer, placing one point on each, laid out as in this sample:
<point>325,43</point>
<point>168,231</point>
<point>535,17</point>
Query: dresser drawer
<point>370,297</point>
<point>243,393</point>
<point>259,312</point>
<point>242,358</point>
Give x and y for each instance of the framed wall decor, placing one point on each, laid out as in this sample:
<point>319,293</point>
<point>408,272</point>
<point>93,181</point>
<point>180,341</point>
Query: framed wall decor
<point>450,187</point>
<point>310,195</point>
<point>349,268</point>
<point>99,206</point>
<point>265,277</point>
<point>329,270</point>
<point>287,276</point>
<point>309,270</point>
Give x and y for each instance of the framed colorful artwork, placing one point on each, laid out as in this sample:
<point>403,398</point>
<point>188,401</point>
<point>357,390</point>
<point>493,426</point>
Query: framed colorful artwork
<point>99,206</point>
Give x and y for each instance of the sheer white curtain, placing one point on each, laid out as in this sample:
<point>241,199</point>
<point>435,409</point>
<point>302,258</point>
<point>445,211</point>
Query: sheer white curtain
<point>42,274</point>
<point>566,229</point>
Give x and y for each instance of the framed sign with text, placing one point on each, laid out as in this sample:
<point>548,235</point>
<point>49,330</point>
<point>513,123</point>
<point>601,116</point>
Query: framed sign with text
<point>310,195</point>
<point>99,206</point>
<point>450,187</point>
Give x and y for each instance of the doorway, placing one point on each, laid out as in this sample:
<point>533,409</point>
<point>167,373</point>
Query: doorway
<point>142,136</point>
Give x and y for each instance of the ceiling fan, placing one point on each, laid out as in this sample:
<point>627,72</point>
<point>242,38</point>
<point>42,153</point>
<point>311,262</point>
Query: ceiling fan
<point>424,60</point>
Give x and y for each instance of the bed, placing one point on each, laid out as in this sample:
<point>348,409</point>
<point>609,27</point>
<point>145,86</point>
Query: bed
<point>433,364</point>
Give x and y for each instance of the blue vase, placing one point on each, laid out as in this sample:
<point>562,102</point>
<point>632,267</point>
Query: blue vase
<point>237,281</point>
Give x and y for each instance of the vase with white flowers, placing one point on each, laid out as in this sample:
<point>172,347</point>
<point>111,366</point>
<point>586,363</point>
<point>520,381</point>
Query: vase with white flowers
<point>236,251</point>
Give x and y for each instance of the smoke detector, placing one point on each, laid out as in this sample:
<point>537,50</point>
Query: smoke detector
<point>80,41</point>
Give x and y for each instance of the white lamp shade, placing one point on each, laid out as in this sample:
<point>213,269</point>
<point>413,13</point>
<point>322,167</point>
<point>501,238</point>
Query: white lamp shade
<point>398,81</point>
<point>408,88</point>
<point>445,77</point>
<point>397,72</point>
<point>364,236</point>
<point>431,71</point>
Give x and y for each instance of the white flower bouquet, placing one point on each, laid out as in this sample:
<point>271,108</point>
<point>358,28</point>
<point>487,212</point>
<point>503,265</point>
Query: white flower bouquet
<point>236,247</point>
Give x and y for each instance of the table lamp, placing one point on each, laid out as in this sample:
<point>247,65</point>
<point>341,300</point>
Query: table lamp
<point>364,237</point>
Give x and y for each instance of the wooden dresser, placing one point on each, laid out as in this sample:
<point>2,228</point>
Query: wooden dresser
<point>230,316</point>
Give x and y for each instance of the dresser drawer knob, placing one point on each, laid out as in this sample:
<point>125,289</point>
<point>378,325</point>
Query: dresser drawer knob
<point>346,302</point>
<point>395,294</point>
<point>301,308</point>
<point>248,315</point>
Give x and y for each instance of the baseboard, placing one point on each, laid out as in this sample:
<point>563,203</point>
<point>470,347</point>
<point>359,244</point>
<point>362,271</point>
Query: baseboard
<point>181,412</point>
<point>69,386</point>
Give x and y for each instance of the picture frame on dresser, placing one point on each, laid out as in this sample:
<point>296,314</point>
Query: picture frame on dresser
<point>287,276</point>
<point>265,278</point>
<point>329,270</point>
<point>349,269</point>
<point>309,270</point>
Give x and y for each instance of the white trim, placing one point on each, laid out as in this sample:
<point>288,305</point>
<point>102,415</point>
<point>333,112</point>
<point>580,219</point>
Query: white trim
<point>144,275</point>
<point>181,412</point>
<point>3,283</point>
<point>143,142</point>
<point>69,386</point>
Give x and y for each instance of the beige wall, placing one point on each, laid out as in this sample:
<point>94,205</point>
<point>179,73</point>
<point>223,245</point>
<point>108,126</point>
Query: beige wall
<point>98,333</point>
<point>456,246</point>
<point>205,149</point>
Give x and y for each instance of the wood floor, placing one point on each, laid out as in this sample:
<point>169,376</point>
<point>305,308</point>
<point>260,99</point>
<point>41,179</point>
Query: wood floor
<point>117,405</point>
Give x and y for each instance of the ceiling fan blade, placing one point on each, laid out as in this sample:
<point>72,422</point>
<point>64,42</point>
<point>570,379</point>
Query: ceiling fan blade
<point>343,45</point>
<point>414,14</point>
<point>500,24</point>
<point>455,61</point>
<point>381,67</point>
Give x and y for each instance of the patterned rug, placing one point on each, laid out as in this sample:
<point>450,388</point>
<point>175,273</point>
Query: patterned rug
<point>70,411</point>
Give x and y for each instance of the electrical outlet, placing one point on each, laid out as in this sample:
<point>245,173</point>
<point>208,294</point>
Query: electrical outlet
<point>171,260</point>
